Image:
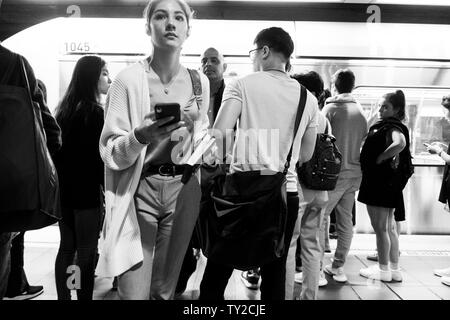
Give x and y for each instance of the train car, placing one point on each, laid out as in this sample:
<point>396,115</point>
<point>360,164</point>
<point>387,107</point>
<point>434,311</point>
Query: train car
<point>383,56</point>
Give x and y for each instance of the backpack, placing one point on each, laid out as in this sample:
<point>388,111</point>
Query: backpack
<point>405,169</point>
<point>322,171</point>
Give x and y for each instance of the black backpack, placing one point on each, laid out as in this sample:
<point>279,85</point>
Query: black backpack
<point>322,171</point>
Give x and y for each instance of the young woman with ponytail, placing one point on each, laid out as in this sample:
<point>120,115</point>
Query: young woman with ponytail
<point>385,151</point>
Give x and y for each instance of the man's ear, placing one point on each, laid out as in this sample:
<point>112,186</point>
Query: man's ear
<point>224,67</point>
<point>265,52</point>
<point>148,30</point>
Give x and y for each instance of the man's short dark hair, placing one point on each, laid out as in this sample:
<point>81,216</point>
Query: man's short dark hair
<point>312,81</point>
<point>277,39</point>
<point>344,80</point>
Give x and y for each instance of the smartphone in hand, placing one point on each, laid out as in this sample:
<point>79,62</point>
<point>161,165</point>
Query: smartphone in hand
<point>164,110</point>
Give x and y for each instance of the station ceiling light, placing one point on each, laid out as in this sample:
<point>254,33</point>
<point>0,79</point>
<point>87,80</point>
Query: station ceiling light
<point>399,2</point>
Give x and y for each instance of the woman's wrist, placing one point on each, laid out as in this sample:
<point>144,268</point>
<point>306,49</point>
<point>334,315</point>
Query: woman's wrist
<point>139,137</point>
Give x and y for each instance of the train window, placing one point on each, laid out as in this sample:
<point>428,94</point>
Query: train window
<point>425,117</point>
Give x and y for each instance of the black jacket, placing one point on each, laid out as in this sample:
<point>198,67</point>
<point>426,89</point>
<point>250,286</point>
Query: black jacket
<point>218,100</point>
<point>79,165</point>
<point>11,75</point>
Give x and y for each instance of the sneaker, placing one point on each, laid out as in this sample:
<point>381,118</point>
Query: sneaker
<point>337,273</point>
<point>446,281</point>
<point>375,273</point>
<point>442,272</point>
<point>322,280</point>
<point>396,275</point>
<point>30,293</point>
<point>298,277</point>
<point>251,279</point>
<point>373,257</point>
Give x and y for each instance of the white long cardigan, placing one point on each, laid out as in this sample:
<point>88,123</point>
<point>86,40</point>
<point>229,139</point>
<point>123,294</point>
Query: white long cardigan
<point>127,104</point>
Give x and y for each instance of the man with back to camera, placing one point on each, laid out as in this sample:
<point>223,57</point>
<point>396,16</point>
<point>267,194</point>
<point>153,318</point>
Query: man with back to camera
<point>350,128</point>
<point>213,66</point>
<point>11,75</point>
<point>266,99</point>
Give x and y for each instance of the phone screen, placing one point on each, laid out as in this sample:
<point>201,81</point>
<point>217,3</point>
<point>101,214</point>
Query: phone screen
<point>164,110</point>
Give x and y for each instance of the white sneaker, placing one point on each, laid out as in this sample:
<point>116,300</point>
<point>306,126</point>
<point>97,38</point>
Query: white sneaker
<point>442,272</point>
<point>298,277</point>
<point>322,280</point>
<point>337,273</point>
<point>446,280</point>
<point>396,275</point>
<point>375,273</point>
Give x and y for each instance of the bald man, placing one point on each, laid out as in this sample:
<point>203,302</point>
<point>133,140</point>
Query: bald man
<point>214,66</point>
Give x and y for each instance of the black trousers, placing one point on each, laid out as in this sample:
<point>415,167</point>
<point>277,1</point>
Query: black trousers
<point>273,274</point>
<point>17,281</point>
<point>79,231</point>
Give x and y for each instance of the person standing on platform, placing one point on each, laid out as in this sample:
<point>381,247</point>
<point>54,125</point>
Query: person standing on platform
<point>350,128</point>
<point>11,75</point>
<point>444,195</point>
<point>213,66</point>
<point>81,173</point>
<point>266,99</point>
<point>384,155</point>
<point>150,210</point>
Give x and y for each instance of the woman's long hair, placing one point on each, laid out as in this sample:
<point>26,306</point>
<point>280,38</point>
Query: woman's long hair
<point>83,87</point>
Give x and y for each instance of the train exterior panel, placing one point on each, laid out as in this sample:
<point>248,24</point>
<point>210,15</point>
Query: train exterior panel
<point>384,57</point>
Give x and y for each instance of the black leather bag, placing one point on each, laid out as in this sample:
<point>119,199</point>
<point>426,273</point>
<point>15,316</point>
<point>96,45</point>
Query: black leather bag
<point>242,224</point>
<point>29,192</point>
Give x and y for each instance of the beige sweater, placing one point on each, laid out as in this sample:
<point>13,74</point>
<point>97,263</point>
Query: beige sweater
<point>127,104</point>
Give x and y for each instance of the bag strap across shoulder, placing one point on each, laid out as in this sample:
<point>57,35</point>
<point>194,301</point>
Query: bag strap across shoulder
<point>300,109</point>
<point>196,86</point>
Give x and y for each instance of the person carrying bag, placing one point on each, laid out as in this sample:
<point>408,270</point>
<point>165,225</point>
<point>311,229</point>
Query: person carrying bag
<point>29,183</point>
<point>248,220</point>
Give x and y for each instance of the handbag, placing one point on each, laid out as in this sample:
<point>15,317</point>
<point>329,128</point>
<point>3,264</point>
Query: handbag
<point>29,190</point>
<point>242,224</point>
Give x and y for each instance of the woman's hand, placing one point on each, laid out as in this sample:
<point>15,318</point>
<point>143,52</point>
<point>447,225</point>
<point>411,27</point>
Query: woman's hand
<point>434,149</point>
<point>153,132</point>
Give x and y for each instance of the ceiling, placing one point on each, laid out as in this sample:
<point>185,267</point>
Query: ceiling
<point>17,15</point>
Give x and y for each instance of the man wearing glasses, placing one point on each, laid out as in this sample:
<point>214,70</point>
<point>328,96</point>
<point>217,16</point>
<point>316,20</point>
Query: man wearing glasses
<point>265,100</point>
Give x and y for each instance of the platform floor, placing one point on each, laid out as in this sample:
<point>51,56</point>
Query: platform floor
<point>420,254</point>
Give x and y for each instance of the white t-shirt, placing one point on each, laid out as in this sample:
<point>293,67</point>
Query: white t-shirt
<point>266,124</point>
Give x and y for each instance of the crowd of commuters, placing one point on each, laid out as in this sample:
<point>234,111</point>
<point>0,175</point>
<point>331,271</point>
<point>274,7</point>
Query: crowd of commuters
<point>122,157</point>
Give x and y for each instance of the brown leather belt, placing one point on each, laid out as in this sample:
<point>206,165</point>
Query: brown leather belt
<point>164,170</point>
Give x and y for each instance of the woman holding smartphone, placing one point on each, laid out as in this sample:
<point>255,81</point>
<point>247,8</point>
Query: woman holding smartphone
<point>150,213</point>
<point>444,195</point>
<point>384,153</point>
